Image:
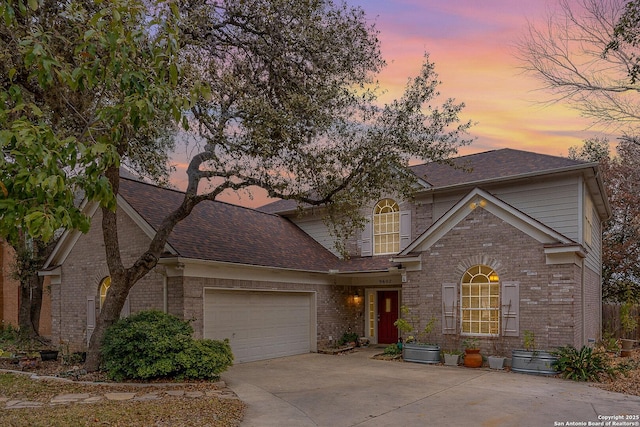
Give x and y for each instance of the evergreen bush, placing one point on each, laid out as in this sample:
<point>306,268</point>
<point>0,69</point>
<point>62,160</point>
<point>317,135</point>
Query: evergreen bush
<point>205,359</point>
<point>152,344</point>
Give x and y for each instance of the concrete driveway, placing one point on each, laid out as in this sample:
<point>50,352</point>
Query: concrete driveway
<point>355,390</point>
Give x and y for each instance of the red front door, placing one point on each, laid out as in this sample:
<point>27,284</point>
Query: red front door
<point>387,315</point>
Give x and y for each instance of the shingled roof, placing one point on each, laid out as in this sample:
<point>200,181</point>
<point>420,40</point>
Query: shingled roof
<point>219,231</point>
<point>491,165</point>
<point>472,169</point>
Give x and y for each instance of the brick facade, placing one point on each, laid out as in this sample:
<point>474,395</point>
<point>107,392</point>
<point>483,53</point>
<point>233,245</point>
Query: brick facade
<point>550,297</point>
<point>85,268</point>
<point>221,246</point>
<point>82,274</point>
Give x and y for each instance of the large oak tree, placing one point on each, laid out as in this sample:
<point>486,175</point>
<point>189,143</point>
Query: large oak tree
<point>279,94</point>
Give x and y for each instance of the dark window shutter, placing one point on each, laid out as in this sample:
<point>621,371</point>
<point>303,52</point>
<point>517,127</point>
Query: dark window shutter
<point>405,229</point>
<point>449,314</point>
<point>510,309</point>
<point>366,248</point>
<point>91,316</point>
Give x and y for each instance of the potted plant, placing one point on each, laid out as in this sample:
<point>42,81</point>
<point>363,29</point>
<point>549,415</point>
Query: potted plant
<point>629,325</point>
<point>495,360</point>
<point>452,357</point>
<point>415,347</point>
<point>530,360</point>
<point>472,356</point>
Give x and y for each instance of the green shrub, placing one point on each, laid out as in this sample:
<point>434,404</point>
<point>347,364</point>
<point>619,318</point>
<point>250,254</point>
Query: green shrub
<point>152,344</point>
<point>392,350</point>
<point>205,359</point>
<point>582,365</point>
<point>8,333</point>
<point>609,343</point>
<point>348,337</point>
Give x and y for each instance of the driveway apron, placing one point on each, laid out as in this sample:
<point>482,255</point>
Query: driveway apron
<point>355,390</point>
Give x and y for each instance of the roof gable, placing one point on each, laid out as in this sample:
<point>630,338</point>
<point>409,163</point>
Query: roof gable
<point>478,198</point>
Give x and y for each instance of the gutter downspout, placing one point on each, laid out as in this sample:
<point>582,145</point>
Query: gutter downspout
<point>584,305</point>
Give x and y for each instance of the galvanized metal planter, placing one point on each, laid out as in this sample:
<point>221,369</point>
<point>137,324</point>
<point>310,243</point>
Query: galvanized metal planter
<point>421,353</point>
<point>533,362</point>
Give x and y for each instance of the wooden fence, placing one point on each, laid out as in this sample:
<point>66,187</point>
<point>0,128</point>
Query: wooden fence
<point>611,321</point>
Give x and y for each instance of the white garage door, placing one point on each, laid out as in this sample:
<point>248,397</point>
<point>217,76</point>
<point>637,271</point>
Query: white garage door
<point>260,325</point>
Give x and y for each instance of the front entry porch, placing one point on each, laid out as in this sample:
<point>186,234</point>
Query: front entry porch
<point>382,309</point>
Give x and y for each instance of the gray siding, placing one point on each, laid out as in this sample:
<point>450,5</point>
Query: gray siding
<point>315,227</point>
<point>553,203</point>
<point>593,260</point>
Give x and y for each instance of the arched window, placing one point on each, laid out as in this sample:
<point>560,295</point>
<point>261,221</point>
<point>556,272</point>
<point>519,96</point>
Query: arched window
<point>480,301</point>
<point>104,287</point>
<point>386,227</point>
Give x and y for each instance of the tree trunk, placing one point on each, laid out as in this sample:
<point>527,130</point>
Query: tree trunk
<point>29,304</point>
<point>29,257</point>
<point>123,279</point>
<point>109,314</point>
<point>113,303</point>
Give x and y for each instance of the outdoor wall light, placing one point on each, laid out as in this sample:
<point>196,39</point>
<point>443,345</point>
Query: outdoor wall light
<point>356,297</point>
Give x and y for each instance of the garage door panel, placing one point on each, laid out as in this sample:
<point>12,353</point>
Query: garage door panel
<point>259,325</point>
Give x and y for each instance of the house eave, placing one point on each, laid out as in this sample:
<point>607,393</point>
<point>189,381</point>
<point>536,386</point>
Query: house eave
<point>183,266</point>
<point>54,273</point>
<point>510,178</point>
<point>411,262</point>
<point>564,254</point>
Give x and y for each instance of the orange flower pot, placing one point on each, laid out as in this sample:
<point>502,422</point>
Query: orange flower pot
<point>472,358</point>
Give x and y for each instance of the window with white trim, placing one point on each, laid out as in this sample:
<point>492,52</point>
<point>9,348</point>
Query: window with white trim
<point>480,301</point>
<point>386,227</point>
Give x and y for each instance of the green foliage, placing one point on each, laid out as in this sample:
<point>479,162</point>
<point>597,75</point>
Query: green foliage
<point>529,340</point>
<point>205,359</point>
<point>627,34</point>
<point>348,337</point>
<point>470,343</point>
<point>86,85</point>
<point>582,365</point>
<point>152,344</point>
<point>392,350</point>
<point>409,323</point>
<point>8,333</point>
<point>609,343</point>
<point>628,321</point>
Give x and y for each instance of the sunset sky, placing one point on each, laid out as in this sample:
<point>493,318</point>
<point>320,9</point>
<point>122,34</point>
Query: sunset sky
<point>472,45</point>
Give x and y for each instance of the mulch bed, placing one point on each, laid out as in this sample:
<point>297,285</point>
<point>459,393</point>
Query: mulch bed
<point>627,382</point>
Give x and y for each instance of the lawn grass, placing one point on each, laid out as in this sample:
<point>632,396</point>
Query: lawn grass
<point>166,411</point>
